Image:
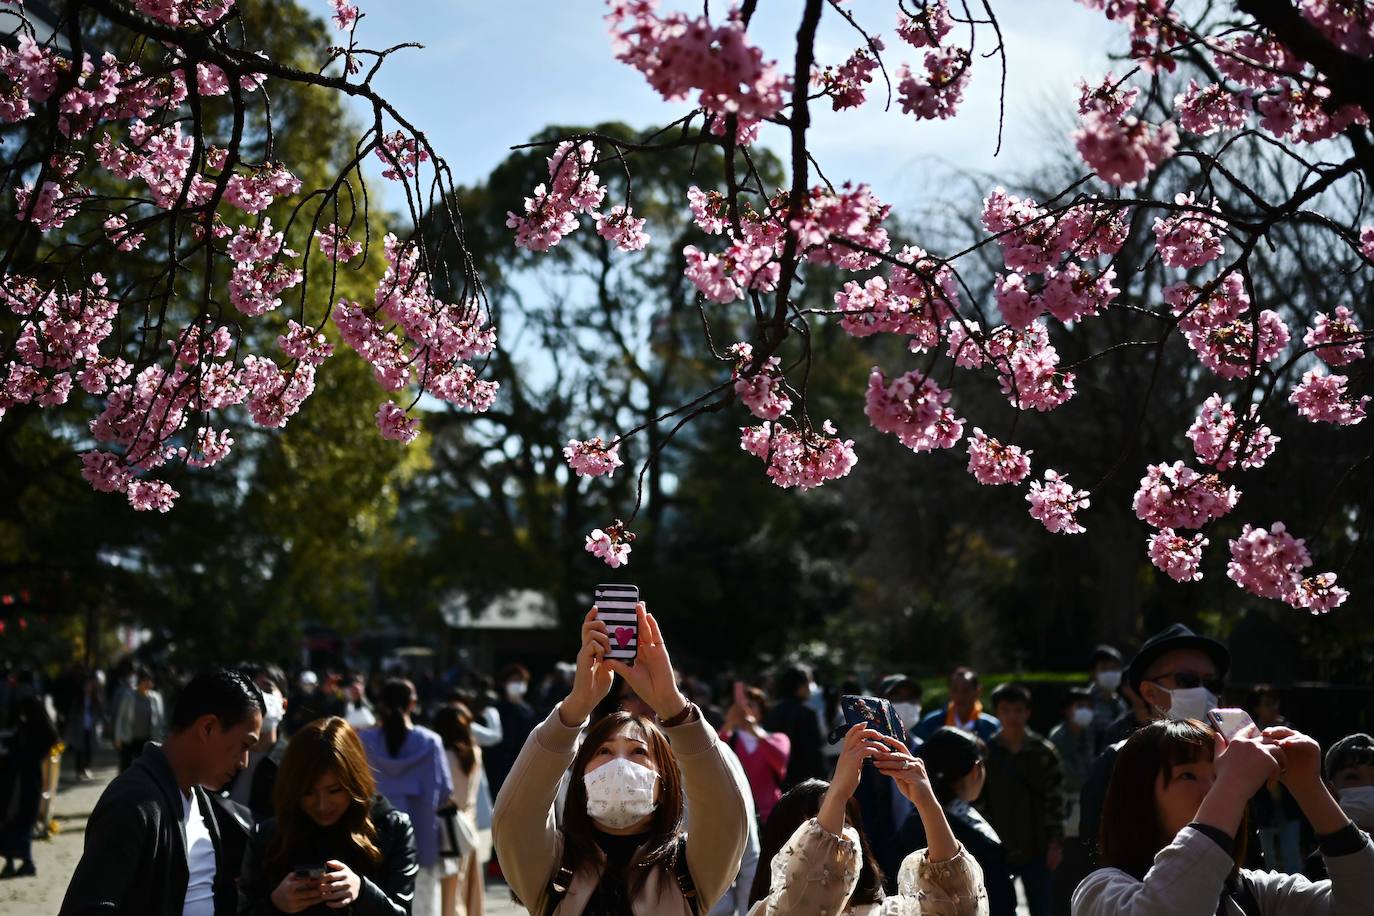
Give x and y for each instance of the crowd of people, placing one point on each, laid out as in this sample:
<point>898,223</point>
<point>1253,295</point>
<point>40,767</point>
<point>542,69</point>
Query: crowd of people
<point>615,788</point>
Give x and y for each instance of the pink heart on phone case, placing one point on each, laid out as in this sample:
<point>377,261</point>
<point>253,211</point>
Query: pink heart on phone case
<point>623,635</point>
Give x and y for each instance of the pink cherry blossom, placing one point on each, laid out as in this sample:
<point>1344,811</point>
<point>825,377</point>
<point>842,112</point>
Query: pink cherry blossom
<point>1034,380</point>
<point>551,213</point>
<point>1252,59</point>
<point>1071,293</point>
<point>337,246</point>
<point>1014,301</point>
<point>708,208</point>
<point>1305,113</point>
<point>1336,340</point>
<point>1270,563</point>
<point>621,227</point>
<point>926,26</point>
<point>1189,239</point>
<point>591,457</point>
<point>146,495</point>
<point>304,343</point>
<point>990,462</point>
<point>1055,504</point>
<point>1176,496</point>
<point>395,425</point>
<point>802,460</point>
<point>1220,329</point>
<point>105,472</point>
<point>937,92</point>
<point>1123,151</point>
<point>1367,242</point>
<point>1319,593</point>
<point>832,219</point>
<point>762,390</point>
<point>1323,398</point>
<point>208,447</point>
<point>1208,109</point>
<point>1178,556</point>
<point>914,409</point>
<point>610,548</point>
<point>678,53</point>
<point>345,15</point>
<point>401,155</point>
<point>1218,441</point>
<point>847,84</point>
<point>116,229</point>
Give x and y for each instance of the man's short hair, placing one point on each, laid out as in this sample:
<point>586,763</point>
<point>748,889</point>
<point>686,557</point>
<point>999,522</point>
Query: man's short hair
<point>514,672</point>
<point>791,679</point>
<point>224,693</point>
<point>267,670</point>
<point>1010,693</point>
<point>1351,751</point>
<point>963,672</point>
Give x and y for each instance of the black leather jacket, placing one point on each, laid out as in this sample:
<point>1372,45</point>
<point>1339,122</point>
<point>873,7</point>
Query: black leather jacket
<point>387,888</point>
<point>134,860</point>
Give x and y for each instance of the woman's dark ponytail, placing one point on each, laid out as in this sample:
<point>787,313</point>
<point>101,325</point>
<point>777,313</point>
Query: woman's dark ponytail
<point>397,695</point>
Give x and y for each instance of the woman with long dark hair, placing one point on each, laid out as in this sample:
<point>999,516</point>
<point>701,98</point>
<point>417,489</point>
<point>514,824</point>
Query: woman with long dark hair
<point>412,771</point>
<point>1174,829</point>
<point>460,882</point>
<point>621,848</point>
<point>334,842</point>
<point>816,858</point>
<point>21,785</point>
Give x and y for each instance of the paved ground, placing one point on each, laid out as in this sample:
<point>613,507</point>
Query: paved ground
<point>56,858</point>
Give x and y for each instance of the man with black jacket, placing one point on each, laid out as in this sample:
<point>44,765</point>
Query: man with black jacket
<point>157,844</point>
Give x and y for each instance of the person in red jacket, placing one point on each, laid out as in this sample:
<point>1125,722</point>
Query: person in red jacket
<point>763,754</point>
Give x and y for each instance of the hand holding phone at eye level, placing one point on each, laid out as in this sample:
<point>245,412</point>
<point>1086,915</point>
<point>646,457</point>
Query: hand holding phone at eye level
<point>593,676</point>
<point>651,676</point>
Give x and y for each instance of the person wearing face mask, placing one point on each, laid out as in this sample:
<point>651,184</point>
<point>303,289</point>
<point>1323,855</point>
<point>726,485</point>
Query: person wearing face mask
<point>621,848</point>
<point>335,844</point>
<point>254,785</point>
<point>1349,772</point>
<point>518,719</point>
<point>1073,739</point>
<point>1178,674</point>
<point>1112,719</point>
<point>1174,829</point>
<point>905,696</point>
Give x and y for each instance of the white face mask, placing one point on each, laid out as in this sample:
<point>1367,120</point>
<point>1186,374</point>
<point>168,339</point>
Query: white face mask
<point>621,793</point>
<point>1192,703</point>
<point>1358,804</point>
<point>1109,680</point>
<point>1083,716</point>
<point>910,713</point>
<point>516,690</point>
<point>275,710</point>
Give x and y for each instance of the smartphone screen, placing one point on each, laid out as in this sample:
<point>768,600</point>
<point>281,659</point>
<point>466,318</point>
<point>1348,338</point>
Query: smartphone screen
<point>615,605</point>
<point>1229,722</point>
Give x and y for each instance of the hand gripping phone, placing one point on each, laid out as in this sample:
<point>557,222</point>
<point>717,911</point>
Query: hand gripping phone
<point>1229,722</point>
<point>615,605</point>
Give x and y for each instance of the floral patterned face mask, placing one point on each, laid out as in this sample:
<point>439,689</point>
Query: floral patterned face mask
<point>621,793</point>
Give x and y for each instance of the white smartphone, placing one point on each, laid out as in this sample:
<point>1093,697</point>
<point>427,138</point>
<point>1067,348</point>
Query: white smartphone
<point>1229,722</point>
<point>615,605</point>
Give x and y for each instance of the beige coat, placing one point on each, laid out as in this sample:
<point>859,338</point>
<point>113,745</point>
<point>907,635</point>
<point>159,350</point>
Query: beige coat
<point>530,845</point>
<point>815,873</point>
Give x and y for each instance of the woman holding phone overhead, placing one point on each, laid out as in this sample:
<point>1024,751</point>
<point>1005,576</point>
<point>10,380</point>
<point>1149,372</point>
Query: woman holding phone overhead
<point>621,849</point>
<point>335,844</point>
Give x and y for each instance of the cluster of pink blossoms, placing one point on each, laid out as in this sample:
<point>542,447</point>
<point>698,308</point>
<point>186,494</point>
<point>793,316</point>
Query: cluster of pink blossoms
<point>1176,496</point>
<point>1220,328</point>
<point>1034,239</point>
<point>58,340</point>
<point>574,188</point>
<point>337,246</point>
<point>612,545</point>
<point>990,462</point>
<point>592,457</point>
<point>1055,504</point>
<point>1122,149</point>
<point>1323,398</point>
<point>750,262</point>
<point>1270,564</point>
<point>804,460</point>
<point>345,15</point>
<point>678,54</point>
<point>914,409</point>
<point>402,155</point>
<point>1336,340</point>
<point>1205,110</point>
<point>926,26</point>
<point>847,84</point>
<point>1189,239</point>
<point>1220,438</point>
<point>1178,556</point>
<point>185,12</point>
<point>936,93</point>
<point>395,425</point>
<point>1027,366</point>
<point>913,305</point>
<point>261,269</point>
<point>762,389</point>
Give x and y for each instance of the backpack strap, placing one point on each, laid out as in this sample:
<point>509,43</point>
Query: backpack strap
<point>558,886</point>
<point>684,876</point>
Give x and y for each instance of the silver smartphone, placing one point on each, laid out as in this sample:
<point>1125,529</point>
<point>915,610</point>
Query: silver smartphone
<point>1229,722</point>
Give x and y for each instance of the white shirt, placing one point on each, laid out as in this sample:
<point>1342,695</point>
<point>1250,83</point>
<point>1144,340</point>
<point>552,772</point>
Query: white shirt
<point>200,860</point>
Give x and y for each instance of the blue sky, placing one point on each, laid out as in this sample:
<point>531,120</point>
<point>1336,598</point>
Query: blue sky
<point>494,73</point>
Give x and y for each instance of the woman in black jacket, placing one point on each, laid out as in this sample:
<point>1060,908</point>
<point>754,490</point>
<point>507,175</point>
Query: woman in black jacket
<point>335,845</point>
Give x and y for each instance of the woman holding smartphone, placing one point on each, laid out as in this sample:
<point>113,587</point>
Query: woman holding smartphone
<point>826,867</point>
<point>1174,830</point>
<point>621,848</point>
<point>334,843</point>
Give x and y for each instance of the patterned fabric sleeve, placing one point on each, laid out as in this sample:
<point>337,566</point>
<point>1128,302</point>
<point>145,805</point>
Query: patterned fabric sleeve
<point>813,874</point>
<point>950,888</point>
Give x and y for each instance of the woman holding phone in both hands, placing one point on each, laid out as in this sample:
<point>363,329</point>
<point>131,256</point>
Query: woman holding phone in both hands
<point>818,869</point>
<point>621,849</point>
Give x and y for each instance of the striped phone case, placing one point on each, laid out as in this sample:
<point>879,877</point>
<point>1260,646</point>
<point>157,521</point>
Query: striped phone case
<point>615,606</point>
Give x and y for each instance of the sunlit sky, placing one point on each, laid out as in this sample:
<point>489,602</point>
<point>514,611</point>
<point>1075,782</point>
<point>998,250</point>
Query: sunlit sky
<point>492,74</point>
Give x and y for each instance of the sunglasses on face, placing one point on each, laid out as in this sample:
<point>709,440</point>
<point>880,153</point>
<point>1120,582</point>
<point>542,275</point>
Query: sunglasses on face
<point>1187,680</point>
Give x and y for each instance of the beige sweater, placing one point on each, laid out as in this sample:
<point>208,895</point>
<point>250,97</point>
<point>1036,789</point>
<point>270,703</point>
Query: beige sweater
<point>530,845</point>
<point>816,872</point>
